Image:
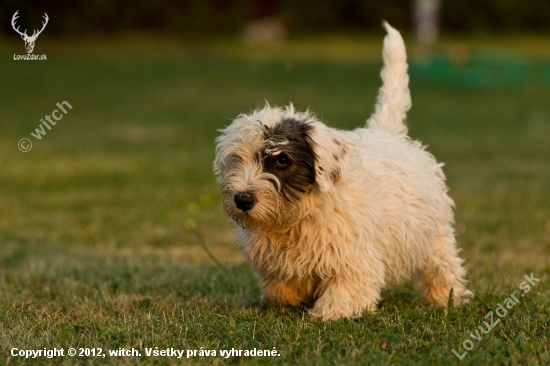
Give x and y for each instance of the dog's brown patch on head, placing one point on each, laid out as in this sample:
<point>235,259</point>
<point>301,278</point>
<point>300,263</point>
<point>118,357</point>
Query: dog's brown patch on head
<point>287,154</point>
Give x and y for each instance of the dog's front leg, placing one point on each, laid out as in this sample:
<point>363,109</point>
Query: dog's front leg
<point>281,294</point>
<point>348,296</point>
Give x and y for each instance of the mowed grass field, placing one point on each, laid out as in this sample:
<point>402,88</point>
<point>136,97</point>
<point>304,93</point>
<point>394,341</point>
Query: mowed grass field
<point>96,247</point>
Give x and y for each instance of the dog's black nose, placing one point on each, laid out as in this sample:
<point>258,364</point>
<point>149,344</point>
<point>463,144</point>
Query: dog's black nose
<point>244,200</point>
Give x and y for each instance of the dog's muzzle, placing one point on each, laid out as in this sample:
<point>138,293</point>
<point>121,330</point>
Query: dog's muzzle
<point>244,200</point>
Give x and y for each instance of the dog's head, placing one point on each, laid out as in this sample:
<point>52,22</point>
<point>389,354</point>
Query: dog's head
<point>267,162</point>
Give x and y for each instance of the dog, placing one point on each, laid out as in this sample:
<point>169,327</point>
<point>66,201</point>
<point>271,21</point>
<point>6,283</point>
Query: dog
<point>329,218</point>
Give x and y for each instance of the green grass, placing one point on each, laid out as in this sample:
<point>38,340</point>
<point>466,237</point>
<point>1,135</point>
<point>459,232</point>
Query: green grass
<point>95,242</point>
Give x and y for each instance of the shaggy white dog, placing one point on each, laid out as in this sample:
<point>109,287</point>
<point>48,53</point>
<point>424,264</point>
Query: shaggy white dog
<point>329,217</point>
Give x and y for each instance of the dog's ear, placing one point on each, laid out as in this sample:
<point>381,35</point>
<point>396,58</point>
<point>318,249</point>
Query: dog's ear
<point>219,164</point>
<point>331,156</point>
<point>234,143</point>
<point>226,143</point>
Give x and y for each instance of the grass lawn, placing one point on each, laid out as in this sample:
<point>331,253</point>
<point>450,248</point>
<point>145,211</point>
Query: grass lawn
<point>96,249</point>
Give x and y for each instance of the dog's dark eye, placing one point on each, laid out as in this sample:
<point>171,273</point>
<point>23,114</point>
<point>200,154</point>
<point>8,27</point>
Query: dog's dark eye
<point>282,160</point>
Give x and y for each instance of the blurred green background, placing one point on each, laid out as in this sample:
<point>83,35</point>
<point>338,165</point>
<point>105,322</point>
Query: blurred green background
<point>95,218</point>
<point>222,16</point>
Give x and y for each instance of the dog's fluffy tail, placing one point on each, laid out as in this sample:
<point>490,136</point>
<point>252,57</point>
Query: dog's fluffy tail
<point>394,99</point>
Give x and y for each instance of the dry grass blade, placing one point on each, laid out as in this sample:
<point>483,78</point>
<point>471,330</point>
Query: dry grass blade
<point>203,246</point>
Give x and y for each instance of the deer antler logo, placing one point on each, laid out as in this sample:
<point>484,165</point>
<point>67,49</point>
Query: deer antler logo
<point>29,41</point>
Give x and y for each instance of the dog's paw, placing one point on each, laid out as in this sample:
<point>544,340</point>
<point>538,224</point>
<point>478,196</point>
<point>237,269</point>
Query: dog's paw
<point>326,313</point>
<point>463,297</point>
<point>440,295</point>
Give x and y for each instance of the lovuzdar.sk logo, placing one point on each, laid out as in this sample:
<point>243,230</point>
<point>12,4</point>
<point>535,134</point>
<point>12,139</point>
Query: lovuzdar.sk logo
<point>29,40</point>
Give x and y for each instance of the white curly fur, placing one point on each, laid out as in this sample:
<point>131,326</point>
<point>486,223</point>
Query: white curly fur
<point>377,213</point>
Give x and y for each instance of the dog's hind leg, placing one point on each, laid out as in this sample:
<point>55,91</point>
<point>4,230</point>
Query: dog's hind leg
<point>442,271</point>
